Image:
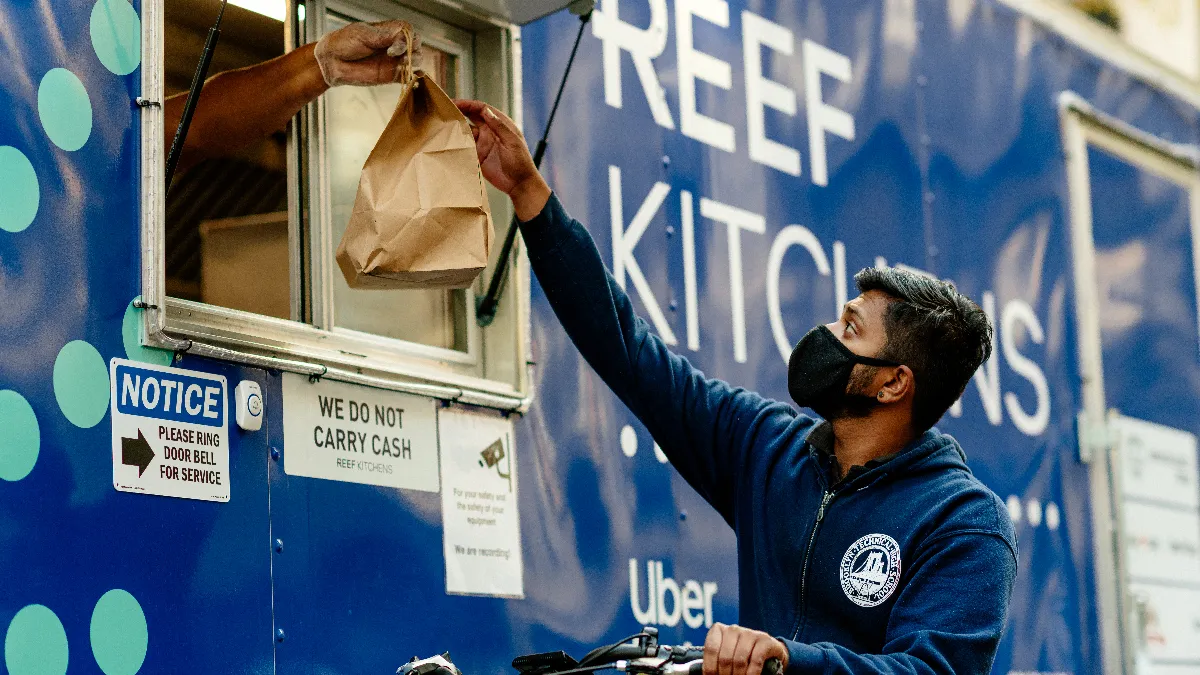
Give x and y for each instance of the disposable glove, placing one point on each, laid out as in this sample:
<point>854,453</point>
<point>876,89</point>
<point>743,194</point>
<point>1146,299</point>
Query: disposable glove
<point>366,54</point>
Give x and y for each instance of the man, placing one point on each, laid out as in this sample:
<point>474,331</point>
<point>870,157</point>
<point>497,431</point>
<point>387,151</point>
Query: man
<point>241,106</point>
<point>865,545</point>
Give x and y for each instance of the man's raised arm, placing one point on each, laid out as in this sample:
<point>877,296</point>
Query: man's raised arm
<point>703,425</point>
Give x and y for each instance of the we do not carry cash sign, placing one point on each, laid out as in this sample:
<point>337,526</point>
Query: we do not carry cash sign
<point>358,434</point>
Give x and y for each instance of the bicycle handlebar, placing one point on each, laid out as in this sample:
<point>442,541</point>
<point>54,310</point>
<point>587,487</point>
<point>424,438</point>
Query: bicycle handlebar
<point>659,652</point>
<point>693,666</point>
<point>639,654</point>
<point>654,659</point>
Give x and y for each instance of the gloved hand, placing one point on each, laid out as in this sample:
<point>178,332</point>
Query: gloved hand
<point>365,54</point>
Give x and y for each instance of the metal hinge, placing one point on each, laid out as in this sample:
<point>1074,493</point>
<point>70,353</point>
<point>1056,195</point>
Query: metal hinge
<point>1097,437</point>
<point>143,102</point>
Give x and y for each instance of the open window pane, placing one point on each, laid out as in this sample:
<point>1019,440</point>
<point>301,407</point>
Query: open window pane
<point>226,218</point>
<point>254,218</point>
<point>354,119</point>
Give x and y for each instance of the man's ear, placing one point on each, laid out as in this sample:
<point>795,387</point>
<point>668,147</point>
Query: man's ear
<point>900,384</point>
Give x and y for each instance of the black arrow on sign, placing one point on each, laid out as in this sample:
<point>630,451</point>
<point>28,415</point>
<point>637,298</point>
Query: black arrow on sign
<point>137,452</point>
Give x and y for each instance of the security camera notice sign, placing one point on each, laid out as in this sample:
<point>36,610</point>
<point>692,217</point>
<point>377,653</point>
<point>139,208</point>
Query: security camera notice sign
<point>481,534</point>
<point>358,434</point>
<point>170,431</point>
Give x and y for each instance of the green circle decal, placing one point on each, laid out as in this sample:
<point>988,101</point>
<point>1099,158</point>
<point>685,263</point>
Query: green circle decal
<point>119,633</point>
<point>20,193</point>
<point>117,35</point>
<point>21,440</point>
<point>81,384</point>
<point>35,643</point>
<point>131,338</point>
<point>64,108</point>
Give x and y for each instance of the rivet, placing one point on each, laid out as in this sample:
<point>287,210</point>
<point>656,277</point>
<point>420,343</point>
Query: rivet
<point>672,305</point>
<point>275,453</point>
<point>666,161</point>
<point>279,546</point>
<point>683,515</point>
<point>670,230</point>
<point>279,635</point>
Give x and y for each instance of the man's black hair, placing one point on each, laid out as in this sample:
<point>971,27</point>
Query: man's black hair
<point>933,329</point>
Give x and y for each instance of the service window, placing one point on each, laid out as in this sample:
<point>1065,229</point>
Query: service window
<point>248,237</point>
<point>354,119</point>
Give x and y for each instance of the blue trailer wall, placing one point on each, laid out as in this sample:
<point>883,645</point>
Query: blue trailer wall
<point>955,167</point>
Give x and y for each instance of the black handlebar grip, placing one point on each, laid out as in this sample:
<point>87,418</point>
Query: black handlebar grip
<point>773,666</point>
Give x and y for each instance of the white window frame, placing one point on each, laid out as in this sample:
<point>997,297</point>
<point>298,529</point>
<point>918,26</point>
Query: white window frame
<point>318,348</point>
<point>1084,127</point>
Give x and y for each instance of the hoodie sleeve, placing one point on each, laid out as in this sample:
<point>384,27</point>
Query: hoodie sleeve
<point>703,425</point>
<point>948,619</point>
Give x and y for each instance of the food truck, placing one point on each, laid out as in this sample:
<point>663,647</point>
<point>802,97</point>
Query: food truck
<point>218,457</point>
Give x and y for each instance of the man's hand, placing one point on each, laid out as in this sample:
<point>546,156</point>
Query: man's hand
<point>733,650</point>
<point>505,160</point>
<point>365,54</point>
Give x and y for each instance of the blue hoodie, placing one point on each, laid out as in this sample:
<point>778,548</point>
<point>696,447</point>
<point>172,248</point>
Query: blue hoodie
<point>906,565</point>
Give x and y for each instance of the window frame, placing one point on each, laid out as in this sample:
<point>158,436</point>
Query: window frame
<point>309,343</point>
<point>320,257</point>
<point>1083,126</point>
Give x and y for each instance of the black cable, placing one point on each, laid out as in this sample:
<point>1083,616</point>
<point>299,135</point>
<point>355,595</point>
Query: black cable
<point>594,655</point>
<point>189,107</point>
<point>485,309</point>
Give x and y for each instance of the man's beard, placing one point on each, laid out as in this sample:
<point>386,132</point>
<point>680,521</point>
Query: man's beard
<point>856,403</point>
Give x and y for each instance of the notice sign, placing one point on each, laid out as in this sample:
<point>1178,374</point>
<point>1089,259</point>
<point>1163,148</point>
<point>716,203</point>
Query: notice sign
<point>358,434</point>
<point>481,534</point>
<point>1158,463</point>
<point>170,431</point>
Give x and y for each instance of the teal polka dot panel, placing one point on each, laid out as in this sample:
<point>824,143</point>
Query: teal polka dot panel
<point>94,580</point>
<point>131,338</point>
<point>117,35</point>
<point>119,633</point>
<point>21,439</point>
<point>35,643</point>
<point>64,109</point>
<point>81,384</point>
<point>20,193</point>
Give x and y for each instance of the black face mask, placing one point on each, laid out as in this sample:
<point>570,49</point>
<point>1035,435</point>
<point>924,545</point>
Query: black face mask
<point>819,373</point>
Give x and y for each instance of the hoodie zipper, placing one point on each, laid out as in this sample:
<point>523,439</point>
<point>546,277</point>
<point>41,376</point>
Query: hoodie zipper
<point>825,499</point>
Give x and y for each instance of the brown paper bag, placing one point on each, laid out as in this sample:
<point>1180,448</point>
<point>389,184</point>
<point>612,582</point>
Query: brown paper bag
<point>421,217</point>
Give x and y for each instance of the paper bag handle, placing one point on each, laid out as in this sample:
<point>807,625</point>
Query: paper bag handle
<point>408,73</point>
